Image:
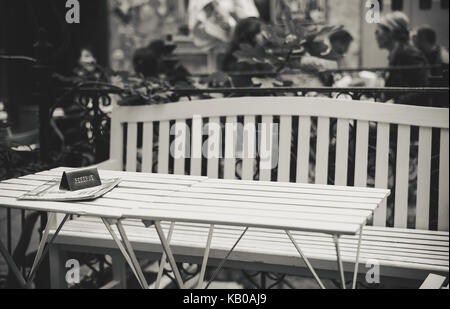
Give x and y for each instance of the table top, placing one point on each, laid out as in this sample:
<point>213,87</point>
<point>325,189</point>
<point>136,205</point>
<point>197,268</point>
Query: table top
<point>273,205</point>
<point>135,190</point>
<point>159,197</point>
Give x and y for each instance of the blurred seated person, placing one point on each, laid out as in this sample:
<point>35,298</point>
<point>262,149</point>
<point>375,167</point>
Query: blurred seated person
<point>156,60</point>
<point>340,42</point>
<point>248,31</point>
<point>392,34</point>
<point>425,40</point>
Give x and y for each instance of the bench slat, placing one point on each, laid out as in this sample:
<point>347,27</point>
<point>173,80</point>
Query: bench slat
<point>443,216</point>
<point>248,148</point>
<point>179,148</point>
<point>386,241</point>
<point>284,149</point>
<point>304,135</point>
<point>250,221</point>
<point>147,147</point>
<point>163,147</point>
<point>257,239</point>
<point>342,141</point>
<point>131,155</point>
<point>229,168</point>
<point>361,154</point>
<point>196,156</point>
<point>402,177</point>
<point>266,148</point>
<point>382,170</point>
<point>214,146</point>
<point>423,179</point>
<point>323,142</point>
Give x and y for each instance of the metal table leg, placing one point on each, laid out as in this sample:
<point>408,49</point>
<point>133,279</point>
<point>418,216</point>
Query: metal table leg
<point>162,264</point>
<point>339,261</point>
<point>205,257</point>
<point>358,251</point>
<point>169,254</point>
<point>308,264</point>
<point>43,247</point>
<point>135,267</point>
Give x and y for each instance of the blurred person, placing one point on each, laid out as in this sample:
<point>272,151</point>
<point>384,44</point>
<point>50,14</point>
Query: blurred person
<point>157,59</point>
<point>425,39</point>
<point>340,42</point>
<point>392,34</point>
<point>213,22</point>
<point>248,31</point>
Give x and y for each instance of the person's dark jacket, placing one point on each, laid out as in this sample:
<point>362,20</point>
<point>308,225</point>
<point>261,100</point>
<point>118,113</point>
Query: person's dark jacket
<point>406,55</point>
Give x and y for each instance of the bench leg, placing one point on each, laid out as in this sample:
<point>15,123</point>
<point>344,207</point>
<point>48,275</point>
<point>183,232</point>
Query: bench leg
<point>119,271</point>
<point>12,266</point>
<point>57,267</point>
<point>339,261</point>
<point>308,264</point>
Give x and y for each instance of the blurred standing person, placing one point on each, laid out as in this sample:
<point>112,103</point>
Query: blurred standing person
<point>212,22</point>
<point>425,39</point>
<point>392,34</point>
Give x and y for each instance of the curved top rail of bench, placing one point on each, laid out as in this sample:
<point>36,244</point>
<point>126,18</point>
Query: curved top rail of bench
<point>287,106</point>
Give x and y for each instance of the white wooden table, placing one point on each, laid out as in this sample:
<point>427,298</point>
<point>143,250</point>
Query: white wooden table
<point>133,189</point>
<point>153,198</point>
<point>288,207</point>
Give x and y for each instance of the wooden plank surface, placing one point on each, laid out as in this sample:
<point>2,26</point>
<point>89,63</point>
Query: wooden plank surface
<point>402,177</point>
<point>304,135</point>
<point>342,140</point>
<point>199,200</point>
<point>443,216</point>
<point>382,170</point>
<point>423,179</point>
<point>147,148</point>
<point>323,142</point>
<point>404,251</point>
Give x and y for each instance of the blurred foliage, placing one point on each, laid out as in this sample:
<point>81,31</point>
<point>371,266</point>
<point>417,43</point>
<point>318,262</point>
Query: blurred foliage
<point>287,43</point>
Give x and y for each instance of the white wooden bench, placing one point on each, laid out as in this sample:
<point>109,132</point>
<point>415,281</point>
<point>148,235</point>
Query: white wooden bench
<point>403,253</point>
<point>434,282</point>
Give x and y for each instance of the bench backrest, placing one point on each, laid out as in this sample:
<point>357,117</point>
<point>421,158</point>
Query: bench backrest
<point>354,134</point>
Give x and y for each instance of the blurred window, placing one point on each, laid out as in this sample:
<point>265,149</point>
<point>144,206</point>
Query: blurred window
<point>426,4</point>
<point>397,5</point>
